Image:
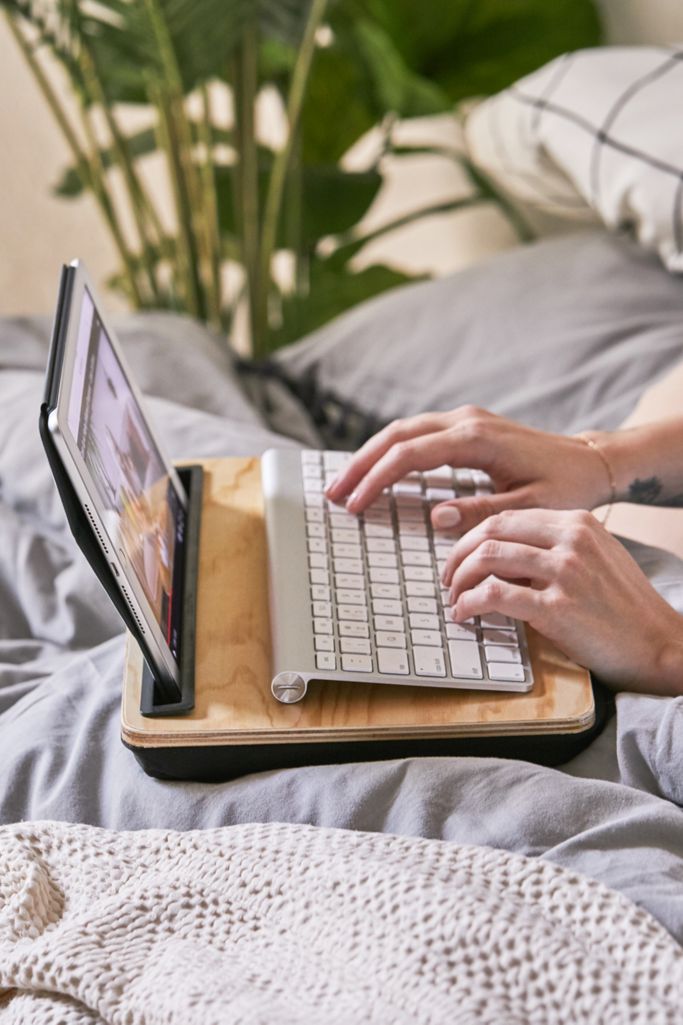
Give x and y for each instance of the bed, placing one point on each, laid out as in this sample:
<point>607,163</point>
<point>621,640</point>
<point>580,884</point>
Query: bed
<point>565,334</point>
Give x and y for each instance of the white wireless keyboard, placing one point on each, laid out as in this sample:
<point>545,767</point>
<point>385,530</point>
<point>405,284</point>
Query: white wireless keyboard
<point>377,610</point>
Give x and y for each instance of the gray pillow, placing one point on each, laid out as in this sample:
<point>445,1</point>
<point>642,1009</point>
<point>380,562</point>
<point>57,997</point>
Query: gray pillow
<point>563,334</point>
<point>171,356</point>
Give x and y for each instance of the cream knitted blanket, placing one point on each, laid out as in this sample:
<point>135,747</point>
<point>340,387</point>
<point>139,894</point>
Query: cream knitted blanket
<point>287,924</point>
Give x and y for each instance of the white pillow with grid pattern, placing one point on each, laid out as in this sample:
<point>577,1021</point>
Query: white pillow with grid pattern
<point>594,134</point>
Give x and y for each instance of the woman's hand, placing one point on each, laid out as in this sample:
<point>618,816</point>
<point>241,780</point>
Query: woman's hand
<point>565,575</point>
<point>529,468</point>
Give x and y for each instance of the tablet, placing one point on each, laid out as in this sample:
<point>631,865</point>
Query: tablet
<point>131,497</point>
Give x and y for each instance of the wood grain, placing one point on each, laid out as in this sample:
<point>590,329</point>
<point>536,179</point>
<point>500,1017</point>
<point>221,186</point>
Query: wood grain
<point>234,704</point>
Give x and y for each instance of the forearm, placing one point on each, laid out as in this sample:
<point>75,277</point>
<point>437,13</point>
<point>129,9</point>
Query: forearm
<point>646,461</point>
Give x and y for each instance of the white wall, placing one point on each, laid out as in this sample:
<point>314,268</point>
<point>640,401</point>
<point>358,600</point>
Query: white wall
<point>39,231</point>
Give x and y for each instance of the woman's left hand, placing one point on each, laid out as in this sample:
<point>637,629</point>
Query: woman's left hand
<point>565,575</point>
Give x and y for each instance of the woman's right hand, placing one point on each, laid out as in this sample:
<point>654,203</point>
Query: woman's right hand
<point>529,468</point>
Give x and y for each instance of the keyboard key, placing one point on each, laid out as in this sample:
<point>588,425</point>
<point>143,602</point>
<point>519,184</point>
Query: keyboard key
<point>429,661</point>
<point>349,629</point>
<point>407,487</point>
<point>410,514</point>
<point>315,529</point>
<point>323,642</point>
<point>357,613</point>
<point>326,661</point>
<point>465,661</point>
<point>500,637</point>
<point>347,551</point>
<point>346,536</point>
<point>440,477</point>
<point>445,598</point>
<point>506,671</point>
<point>464,479</point>
<point>393,661</point>
<point>391,591</point>
<point>335,460</point>
<point>343,522</point>
<point>315,515</point>
<point>412,529</point>
<point>415,543</point>
<point>497,619</point>
<point>420,588</point>
<point>313,485</point>
<point>345,596</point>
<point>394,624</point>
<point>461,631</point>
<point>439,494</point>
<point>442,550</point>
<point>354,645</point>
<point>311,456</point>
<point>319,576</point>
<point>351,566</point>
<point>322,626</point>
<point>426,637</point>
<point>356,663</point>
<point>378,530</point>
<point>320,593</point>
<point>498,653</point>
<point>410,558</point>
<point>418,573</point>
<point>314,499</point>
<point>322,608</point>
<point>348,582</point>
<point>382,517</point>
<point>380,575</point>
<point>423,621</point>
<point>385,639</point>
<point>380,544</point>
<point>386,607</point>
<point>426,605</point>
<point>316,560</point>
<point>382,559</point>
<point>317,544</point>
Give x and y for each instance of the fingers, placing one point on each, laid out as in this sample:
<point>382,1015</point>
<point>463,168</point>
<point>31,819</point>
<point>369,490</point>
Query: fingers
<point>421,453</point>
<point>535,527</point>
<point>493,595</point>
<point>503,559</point>
<point>462,514</point>
<point>373,450</point>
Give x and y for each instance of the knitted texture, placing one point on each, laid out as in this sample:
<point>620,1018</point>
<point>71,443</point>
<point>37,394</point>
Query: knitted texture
<point>284,924</point>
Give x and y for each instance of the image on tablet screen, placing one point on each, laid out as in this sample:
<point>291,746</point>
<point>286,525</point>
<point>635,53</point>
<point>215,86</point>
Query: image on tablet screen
<point>142,512</point>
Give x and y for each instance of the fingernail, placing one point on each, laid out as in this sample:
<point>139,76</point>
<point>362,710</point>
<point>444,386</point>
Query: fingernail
<point>352,501</point>
<point>332,486</point>
<point>449,516</point>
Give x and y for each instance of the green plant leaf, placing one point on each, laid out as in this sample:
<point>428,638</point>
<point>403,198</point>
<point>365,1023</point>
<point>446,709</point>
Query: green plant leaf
<point>333,200</point>
<point>333,289</point>
<point>477,47</point>
<point>396,87</point>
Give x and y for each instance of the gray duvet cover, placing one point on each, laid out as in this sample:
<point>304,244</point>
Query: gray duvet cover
<point>613,813</point>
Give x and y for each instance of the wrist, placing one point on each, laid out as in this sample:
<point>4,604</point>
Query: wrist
<point>602,488</point>
<point>623,453</point>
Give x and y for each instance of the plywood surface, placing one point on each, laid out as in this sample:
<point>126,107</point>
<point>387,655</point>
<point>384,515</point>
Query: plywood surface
<point>234,704</point>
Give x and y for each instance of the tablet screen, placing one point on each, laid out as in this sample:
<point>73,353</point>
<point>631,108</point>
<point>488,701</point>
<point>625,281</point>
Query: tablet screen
<point>137,500</point>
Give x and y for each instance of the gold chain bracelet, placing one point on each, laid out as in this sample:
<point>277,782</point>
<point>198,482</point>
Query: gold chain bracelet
<point>610,473</point>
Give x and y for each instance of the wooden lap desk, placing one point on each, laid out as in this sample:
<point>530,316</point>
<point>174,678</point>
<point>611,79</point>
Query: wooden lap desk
<point>237,725</point>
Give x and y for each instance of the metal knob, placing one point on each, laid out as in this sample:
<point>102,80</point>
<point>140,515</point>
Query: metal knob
<point>288,688</point>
